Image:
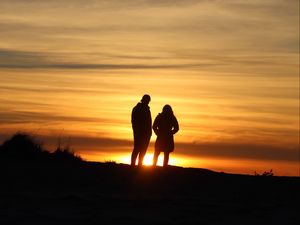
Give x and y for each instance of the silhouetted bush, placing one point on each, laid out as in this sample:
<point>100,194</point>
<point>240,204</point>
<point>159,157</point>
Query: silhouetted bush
<point>22,146</point>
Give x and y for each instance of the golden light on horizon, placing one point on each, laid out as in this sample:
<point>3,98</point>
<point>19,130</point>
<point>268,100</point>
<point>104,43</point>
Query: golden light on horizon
<point>148,160</point>
<point>229,165</point>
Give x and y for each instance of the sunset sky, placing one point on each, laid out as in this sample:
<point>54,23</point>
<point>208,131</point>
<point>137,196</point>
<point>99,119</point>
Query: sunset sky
<point>72,70</point>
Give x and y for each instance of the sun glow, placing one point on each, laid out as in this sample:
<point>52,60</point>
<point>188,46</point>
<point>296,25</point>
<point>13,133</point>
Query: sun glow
<point>148,160</point>
<point>226,165</point>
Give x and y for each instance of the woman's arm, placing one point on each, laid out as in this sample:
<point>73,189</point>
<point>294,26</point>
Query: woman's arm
<point>155,126</point>
<point>175,126</point>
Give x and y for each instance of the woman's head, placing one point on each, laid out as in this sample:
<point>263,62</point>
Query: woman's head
<point>167,109</point>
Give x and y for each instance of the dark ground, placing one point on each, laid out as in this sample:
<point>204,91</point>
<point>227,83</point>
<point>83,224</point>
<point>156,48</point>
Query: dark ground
<point>107,193</point>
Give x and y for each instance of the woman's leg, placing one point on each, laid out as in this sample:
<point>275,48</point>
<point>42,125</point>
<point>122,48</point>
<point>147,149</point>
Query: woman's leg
<point>155,157</point>
<point>166,158</point>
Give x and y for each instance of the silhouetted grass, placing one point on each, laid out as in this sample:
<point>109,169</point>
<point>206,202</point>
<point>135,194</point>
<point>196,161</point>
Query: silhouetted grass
<point>265,174</point>
<point>65,154</point>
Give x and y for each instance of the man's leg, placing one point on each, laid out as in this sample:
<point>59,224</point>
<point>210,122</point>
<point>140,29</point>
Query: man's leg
<point>134,156</point>
<point>166,158</point>
<point>136,149</point>
<point>141,157</point>
<point>155,158</point>
<point>143,149</point>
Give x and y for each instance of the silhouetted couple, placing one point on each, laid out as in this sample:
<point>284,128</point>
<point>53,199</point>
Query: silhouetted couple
<point>165,126</point>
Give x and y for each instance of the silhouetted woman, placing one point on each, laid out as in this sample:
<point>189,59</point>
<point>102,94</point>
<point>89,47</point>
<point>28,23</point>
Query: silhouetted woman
<point>165,126</point>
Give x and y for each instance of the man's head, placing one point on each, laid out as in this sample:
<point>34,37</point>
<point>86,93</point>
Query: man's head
<point>146,99</point>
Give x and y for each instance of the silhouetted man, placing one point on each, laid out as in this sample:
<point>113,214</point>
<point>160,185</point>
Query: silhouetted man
<point>142,129</point>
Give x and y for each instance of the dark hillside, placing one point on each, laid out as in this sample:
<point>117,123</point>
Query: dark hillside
<point>53,191</point>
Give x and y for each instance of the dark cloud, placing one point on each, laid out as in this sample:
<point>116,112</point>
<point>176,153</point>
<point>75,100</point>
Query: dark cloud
<point>9,58</point>
<point>102,66</point>
<point>237,150</point>
<point>214,150</point>
<point>272,109</point>
<point>12,59</point>
<point>51,89</point>
<point>276,8</point>
<point>101,4</point>
<point>22,117</point>
<point>264,119</point>
<point>78,143</point>
<point>97,144</point>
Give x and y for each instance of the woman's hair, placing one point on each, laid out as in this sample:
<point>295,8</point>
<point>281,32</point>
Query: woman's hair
<point>167,109</point>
